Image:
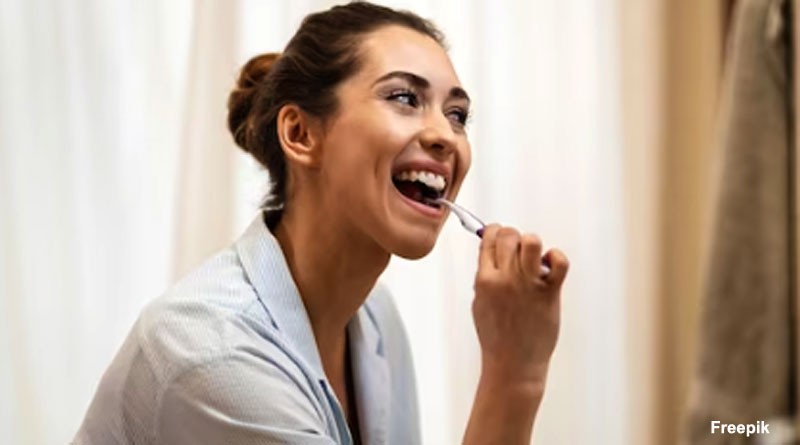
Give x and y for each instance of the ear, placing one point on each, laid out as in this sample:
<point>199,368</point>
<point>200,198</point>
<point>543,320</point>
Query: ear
<point>299,134</point>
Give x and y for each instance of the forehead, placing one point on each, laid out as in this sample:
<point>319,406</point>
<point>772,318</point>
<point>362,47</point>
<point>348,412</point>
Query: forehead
<point>397,48</point>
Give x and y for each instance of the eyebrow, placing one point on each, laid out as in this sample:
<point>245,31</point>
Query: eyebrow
<point>422,83</point>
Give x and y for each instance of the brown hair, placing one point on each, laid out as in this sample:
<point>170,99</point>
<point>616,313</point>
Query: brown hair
<point>322,53</point>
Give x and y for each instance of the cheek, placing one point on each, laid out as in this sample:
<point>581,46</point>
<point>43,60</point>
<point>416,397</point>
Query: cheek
<point>465,161</point>
<point>389,133</point>
<point>377,130</point>
<point>467,158</point>
<point>360,157</point>
<point>370,144</point>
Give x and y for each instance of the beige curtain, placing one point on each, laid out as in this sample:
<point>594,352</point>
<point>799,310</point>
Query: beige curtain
<point>743,372</point>
<point>692,52</point>
<point>671,54</point>
<point>795,8</point>
<point>674,135</point>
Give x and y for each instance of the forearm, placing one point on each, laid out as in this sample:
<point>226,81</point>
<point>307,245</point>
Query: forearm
<point>517,316</point>
<point>503,411</point>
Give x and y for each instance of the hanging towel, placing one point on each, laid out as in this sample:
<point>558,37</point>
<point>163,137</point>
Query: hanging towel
<point>745,367</point>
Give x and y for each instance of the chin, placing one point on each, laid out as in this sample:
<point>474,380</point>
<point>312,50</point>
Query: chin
<point>415,249</point>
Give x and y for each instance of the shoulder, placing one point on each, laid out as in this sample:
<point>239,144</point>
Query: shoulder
<point>220,363</point>
<point>244,394</point>
<point>204,352</point>
<point>205,315</point>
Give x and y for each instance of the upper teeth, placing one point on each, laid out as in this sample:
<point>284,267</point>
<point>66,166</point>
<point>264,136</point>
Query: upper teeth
<point>432,180</point>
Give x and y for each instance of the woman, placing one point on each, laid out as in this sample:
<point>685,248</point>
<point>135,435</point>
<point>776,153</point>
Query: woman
<point>285,337</point>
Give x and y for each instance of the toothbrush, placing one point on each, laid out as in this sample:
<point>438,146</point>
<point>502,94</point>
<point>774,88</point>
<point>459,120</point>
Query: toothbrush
<point>473,224</point>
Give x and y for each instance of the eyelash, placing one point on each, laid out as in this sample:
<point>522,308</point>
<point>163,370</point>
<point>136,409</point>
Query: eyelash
<point>411,95</point>
<point>462,116</point>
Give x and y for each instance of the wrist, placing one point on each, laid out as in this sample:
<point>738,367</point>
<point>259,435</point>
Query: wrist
<point>505,407</point>
<point>533,376</point>
<point>526,385</point>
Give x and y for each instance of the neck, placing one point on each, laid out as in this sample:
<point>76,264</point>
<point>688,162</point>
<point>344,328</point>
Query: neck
<point>334,267</point>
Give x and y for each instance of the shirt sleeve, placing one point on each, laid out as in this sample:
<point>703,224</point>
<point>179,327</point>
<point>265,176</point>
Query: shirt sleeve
<point>243,399</point>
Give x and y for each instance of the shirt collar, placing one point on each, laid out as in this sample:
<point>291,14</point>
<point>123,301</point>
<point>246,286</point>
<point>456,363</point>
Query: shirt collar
<point>266,267</point>
<point>371,375</point>
<point>268,271</point>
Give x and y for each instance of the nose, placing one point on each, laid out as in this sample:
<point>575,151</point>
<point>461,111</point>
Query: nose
<point>438,136</point>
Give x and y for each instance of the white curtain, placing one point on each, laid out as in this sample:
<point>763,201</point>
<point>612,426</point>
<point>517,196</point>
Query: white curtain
<point>117,175</point>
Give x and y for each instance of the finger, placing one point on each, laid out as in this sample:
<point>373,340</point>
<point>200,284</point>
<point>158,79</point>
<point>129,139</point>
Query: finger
<point>558,266</point>
<point>486,257</point>
<point>507,249</point>
<point>530,256</point>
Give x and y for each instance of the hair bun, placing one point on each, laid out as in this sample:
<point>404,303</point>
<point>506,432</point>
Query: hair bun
<point>242,98</point>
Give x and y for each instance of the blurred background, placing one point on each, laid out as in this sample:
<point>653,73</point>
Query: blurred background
<point>596,124</point>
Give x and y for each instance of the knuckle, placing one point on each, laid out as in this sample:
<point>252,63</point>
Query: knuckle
<point>508,238</point>
<point>532,240</point>
<point>489,283</point>
<point>508,232</point>
<point>490,230</point>
<point>484,276</point>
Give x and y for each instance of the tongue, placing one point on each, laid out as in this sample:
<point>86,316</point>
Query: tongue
<point>410,189</point>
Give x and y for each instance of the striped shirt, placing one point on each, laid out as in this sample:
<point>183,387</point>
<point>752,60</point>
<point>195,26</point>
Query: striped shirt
<point>228,356</point>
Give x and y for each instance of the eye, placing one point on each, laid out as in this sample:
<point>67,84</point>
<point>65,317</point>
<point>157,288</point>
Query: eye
<point>459,115</point>
<point>404,96</point>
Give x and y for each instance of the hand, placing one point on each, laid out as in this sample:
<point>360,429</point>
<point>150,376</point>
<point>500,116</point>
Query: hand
<point>516,310</point>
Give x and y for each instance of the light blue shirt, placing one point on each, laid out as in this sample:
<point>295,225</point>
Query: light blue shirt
<point>228,356</point>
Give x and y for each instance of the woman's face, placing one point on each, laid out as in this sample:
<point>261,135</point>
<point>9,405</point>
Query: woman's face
<point>401,114</point>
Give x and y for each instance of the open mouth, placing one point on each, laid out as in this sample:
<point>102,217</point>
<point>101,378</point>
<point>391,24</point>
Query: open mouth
<point>420,186</point>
